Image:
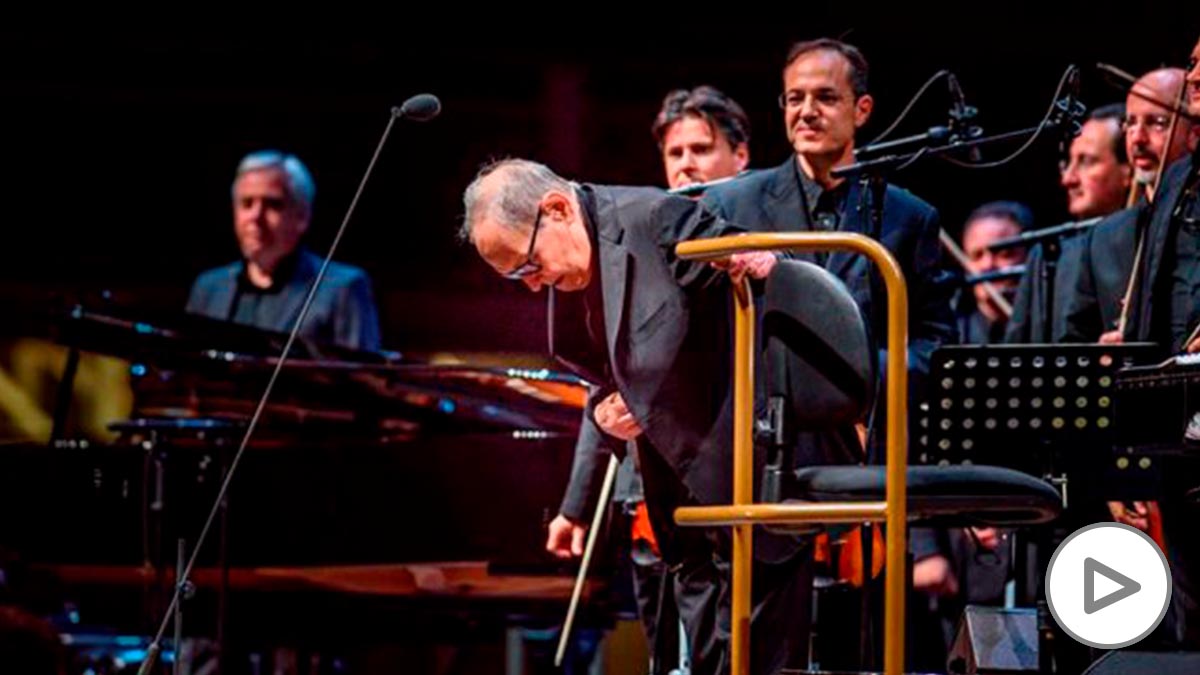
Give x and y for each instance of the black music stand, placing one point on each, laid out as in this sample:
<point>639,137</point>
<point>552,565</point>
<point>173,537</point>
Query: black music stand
<point>1047,410</point>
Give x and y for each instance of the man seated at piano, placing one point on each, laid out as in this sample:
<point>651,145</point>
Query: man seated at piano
<point>272,207</point>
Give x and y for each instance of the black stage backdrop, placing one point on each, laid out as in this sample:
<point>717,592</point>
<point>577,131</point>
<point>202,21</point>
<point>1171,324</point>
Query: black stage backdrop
<point>119,144</point>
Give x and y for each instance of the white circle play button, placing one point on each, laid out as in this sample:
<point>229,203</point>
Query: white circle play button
<point>1108,585</point>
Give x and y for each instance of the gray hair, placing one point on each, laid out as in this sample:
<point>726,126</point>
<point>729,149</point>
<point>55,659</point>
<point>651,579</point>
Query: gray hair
<point>301,188</point>
<point>513,201</point>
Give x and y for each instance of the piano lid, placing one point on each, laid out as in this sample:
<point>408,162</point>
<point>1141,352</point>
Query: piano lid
<point>185,366</point>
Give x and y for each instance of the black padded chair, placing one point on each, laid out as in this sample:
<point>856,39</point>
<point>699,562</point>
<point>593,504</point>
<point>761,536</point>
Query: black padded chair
<point>820,375</point>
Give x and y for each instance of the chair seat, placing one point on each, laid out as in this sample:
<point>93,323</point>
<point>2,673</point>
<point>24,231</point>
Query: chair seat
<point>938,495</point>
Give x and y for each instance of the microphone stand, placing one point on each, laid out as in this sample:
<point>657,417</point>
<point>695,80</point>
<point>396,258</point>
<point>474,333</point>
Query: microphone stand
<point>1065,112</point>
<point>412,109</point>
<point>890,162</point>
<point>999,274</point>
<point>1027,239</point>
<point>873,171</point>
<point>1051,239</point>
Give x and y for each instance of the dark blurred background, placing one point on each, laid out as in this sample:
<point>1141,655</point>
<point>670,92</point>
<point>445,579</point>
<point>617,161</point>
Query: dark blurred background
<point>119,145</point>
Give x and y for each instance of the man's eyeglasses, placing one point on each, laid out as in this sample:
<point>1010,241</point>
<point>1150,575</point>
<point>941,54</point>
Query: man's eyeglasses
<point>530,266</point>
<point>1156,123</point>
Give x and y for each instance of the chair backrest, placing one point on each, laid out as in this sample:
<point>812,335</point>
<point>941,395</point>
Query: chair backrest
<point>817,352</point>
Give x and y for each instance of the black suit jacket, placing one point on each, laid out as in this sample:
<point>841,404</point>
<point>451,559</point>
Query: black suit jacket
<point>668,343</point>
<point>1028,322</point>
<point>771,201</point>
<point>1142,314</point>
<point>1093,305</point>
<point>764,201</point>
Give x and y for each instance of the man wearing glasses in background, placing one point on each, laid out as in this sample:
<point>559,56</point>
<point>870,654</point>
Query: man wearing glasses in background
<point>1093,305</point>
<point>825,102</point>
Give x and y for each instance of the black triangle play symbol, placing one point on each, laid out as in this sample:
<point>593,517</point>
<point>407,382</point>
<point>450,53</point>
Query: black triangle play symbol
<point>1092,567</point>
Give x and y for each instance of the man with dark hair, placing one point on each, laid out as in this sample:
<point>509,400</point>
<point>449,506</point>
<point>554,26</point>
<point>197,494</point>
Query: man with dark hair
<point>987,224</point>
<point>272,207</point>
<point>856,63</point>
<point>1096,176</point>
<point>703,135</point>
<point>825,101</point>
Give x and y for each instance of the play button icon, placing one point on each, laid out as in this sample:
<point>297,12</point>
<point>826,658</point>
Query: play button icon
<point>1108,585</point>
<point>1092,567</point>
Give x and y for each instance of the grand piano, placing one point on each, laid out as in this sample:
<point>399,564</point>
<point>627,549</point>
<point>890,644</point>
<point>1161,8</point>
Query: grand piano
<point>376,493</point>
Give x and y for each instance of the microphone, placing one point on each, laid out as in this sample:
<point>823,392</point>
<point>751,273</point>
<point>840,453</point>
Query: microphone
<point>960,115</point>
<point>1070,111</point>
<point>419,108</point>
<point>959,112</point>
<point>1027,239</point>
<point>998,274</point>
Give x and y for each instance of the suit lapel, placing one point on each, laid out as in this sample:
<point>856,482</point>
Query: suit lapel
<point>784,210</point>
<point>614,266</point>
<point>296,289</point>
<point>1156,237</point>
<point>221,301</point>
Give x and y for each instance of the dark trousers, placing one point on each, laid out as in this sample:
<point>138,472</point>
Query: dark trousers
<point>654,590</point>
<point>781,592</point>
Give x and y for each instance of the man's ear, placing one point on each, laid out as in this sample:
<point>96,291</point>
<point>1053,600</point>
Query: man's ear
<point>741,156</point>
<point>862,110</point>
<point>557,206</point>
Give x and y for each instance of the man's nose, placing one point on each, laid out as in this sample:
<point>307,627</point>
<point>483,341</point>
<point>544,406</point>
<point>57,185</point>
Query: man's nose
<point>1070,177</point>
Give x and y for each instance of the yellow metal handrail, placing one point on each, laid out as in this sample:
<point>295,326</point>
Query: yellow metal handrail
<point>743,513</point>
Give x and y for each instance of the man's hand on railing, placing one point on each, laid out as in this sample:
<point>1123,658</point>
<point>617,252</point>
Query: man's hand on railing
<point>756,264</point>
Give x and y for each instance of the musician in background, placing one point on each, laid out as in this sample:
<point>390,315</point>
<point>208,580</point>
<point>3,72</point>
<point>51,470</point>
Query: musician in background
<point>1094,304</point>
<point>986,225</point>
<point>702,135</point>
<point>1096,176</point>
<point>825,101</point>
<point>1147,126</point>
<point>959,566</point>
<point>1165,309</point>
<point>272,207</point>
